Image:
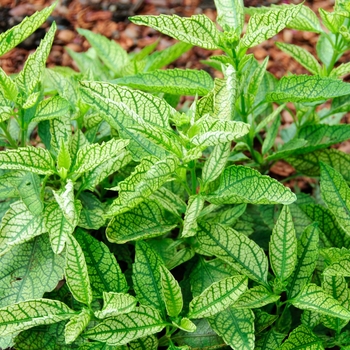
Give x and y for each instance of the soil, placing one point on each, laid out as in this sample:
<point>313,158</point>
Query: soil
<point>110,18</point>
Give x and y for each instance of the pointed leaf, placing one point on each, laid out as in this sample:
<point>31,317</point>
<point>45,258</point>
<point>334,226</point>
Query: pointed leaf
<point>302,338</point>
<point>302,56</point>
<point>283,246</point>
<point>7,86</point>
<point>230,15</point>
<point>36,160</point>
<point>24,274</point>
<point>147,278</point>
<point>122,329</point>
<point>270,340</point>
<point>234,248</point>
<point>339,267</point>
<point>147,178</point>
<point>29,191</point>
<point>76,325</point>
<point>306,261</point>
<point>18,33</point>
<point>150,342</point>
<point>218,297</point>
<point>236,327</point>
<point>314,298</point>
<point>197,30</point>
<point>240,184</point>
<point>19,225</point>
<point>115,304</point>
<point>26,314</point>
<point>172,81</point>
<point>255,297</point>
<point>51,108</point>
<point>104,272</point>
<point>186,325</point>
<point>171,292</point>
<point>195,206</point>
<point>76,272</point>
<point>336,194</point>
<point>341,70</point>
<point>306,88</point>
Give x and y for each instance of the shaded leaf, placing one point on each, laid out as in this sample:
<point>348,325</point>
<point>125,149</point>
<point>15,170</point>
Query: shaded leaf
<point>302,338</point>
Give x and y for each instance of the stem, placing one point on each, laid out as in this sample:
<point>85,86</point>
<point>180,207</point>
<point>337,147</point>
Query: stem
<point>193,177</point>
<point>43,185</point>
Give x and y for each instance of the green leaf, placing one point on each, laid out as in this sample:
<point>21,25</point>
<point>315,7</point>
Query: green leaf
<point>255,297</point>
<point>7,86</point>
<point>337,287</point>
<point>310,318</point>
<point>104,272</point>
<point>302,56</point>
<point>92,212</point>
<point>115,304</point>
<point>147,278</point>
<point>18,33</point>
<point>76,272</point>
<point>306,88</point>
<point>60,129</point>
<point>122,329</point>
<point>341,70</point>
<point>76,325</point>
<point>186,325</point>
<point>67,203</point>
<point>110,52</point>
<point>36,160</point>
<point>26,314</point>
<point>270,341</point>
<point>230,15</point>
<point>64,160</point>
<point>264,26</point>
<point>172,294</point>
<point>236,327</point>
<point>314,298</point>
<point>146,179</point>
<point>215,164</point>
<point>338,267</point>
<point>212,131</point>
<point>29,191</point>
<point>234,248</point>
<point>218,297</point>
<point>172,81</point>
<point>306,261</point>
<point>19,225</point>
<point>51,108</point>
<point>23,271</point>
<point>31,75</point>
<point>283,246</point>
<point>333,20</point>
<point>336,194</point>
<point>150,342</point>
<point>197,30</point>
<point>195,206</point>
<point>302,338</point>
<point>240,184</point>
<point>147,220</point>
<point>93,155</point>
<point>169,200</point>
<point>270,118</point>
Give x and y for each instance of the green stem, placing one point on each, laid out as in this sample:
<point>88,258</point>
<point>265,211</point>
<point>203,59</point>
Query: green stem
<point>43,185</point>
<point>193,177</point>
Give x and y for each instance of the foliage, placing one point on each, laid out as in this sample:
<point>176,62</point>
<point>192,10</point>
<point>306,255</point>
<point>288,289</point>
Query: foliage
<point>129,221</point>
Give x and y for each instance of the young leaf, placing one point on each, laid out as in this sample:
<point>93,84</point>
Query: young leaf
<point>76,325</point>
<point>255,297</point>
<point>240,184</point>
<point>333,20</point>
<point>306,261</point>
<point>57,225</point>
<point>53,107</point>
<point>115,304</point>
<point>26,314</point>
<point>197,30</point>
<point>172,81</point>
<point>7,86</point>
<point>36,160</point>
<point>339,267</point>
<point>147,178</point>
<point>19,225</point>
<point>341,70</point>
<point>93,155</point>
<point>314,298</point>
<point>76,272</point>
<point>218,297</point>
<point>264,26</point>
<point>23,271</point>
<point>234,248</point>
<point>306,88</point>
<point>338,195</point>
<point>230,15</point>
<point>110,52</point>
<point>122,329</point>
<point>302,338</point>
<point>18,33</point>
<point>195,205</point>
<point>104,272</point>
<point>236,327</point>
<point>171,292</point>
<point>147,278</point>
<point>270,118</point>
<point>283,246</point>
